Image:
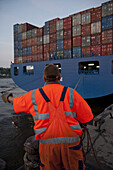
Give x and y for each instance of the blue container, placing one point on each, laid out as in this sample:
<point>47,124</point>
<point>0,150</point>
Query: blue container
<point>15,52</point>
<point>20,53</point>
<point>107,23</point>
<point>15,27</point>
<point>67,54</point>
<point>20,37</point>
<point>60,45</point>
<point>15,44</point>
<point>53,55</point>
<point>20,45</point>
<point>46,28</point>
<point>76,52</point>
<point>29,50</point>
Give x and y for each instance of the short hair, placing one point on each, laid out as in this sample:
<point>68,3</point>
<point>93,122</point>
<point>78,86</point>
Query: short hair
<point>51,73</point>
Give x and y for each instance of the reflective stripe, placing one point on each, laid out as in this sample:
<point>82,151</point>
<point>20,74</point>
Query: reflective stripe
<point>59,140</point>
<point>71,114</point>
<point>41,116</point>
<point>39,131</point>
<point>75,126</point>
<point>34,102</point>
<point>71,99</point>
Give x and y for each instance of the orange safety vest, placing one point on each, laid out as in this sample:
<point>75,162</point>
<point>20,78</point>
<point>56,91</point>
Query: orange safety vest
<point>43,119</point>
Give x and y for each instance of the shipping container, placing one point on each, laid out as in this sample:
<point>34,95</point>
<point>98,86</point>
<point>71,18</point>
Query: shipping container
<point>40,49</point>
<point>52,25</point>
<point>67,23</point>
<point>53,55</point>
<point>20,45</point>
<point>95,39</point>
<point>16,37</point>
<point>52,37</point>
<point>28,42</point>
<point>96,50</point>
<point>107,49</point>
<point>16,52</point>
<point>59,25</point>
<point>46,56</point>
<point>15,44</point>
<point>24,51</point>
<point>19,36</point>
<point>15,28</point>
<point>76,19</point>
<point>40,57</point>
<point>39,32</point>
<point>67,44</point>
<point>60,54</point>
<point>96,14</point>
<point>60,45</point>
<point>19,28</point>
<point>68,53</point>
<point>46,47</point>
<point>85,52</point>
<point>107,37</point>
<point>19,52</point>
<point>76,30</point>
<point>34,32</point>
<point>24,36</point>
<point>29,51</point>
<point>107,8</point>
<point>26,27</point>
<point>33,41</point>
<point>96,27</point>
<point>28,34</point>
<point>46,39</point>
<point>59,35</point>
<point>86,41</point>
<point>77,41</point>
<point>107,23</point>
<point>46,28</point>
<point>67,34</point>
<point>86,30</point>
<point>16,59</point>
<point>86,18</point>
<point>53,46</point>
<point>40,40</point>
<point>76,52</point>
<point>34,49</point>
<point>19,59</point>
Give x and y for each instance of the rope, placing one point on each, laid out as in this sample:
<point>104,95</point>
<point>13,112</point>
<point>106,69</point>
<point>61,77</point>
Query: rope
<point>78,81</point>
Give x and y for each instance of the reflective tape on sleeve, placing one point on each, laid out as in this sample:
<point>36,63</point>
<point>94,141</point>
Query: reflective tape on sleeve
<point>71,98</point>
<point>39,131</point>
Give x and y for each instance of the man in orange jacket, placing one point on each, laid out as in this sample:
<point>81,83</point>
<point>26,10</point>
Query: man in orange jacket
<point>58,112</point>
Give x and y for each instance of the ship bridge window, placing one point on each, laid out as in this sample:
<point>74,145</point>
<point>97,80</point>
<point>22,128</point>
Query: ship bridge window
<point>57,65</point>
<point>90,67</point>
<point>28,70</point>
<point>16,71</point>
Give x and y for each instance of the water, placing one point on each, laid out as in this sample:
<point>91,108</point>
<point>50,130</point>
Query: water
<point>14,128</point>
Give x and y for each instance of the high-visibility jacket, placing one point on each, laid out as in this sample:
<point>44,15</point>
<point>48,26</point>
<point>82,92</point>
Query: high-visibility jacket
<point>75,107</point>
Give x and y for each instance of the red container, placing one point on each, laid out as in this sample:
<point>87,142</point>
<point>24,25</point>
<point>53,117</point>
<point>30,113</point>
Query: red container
<point>77,41</point>
<point>28,42</point>
<point>52,25</point>
<point>107,49</point>
<point>16,59</point>
<point>27,27</point>
<point>34,49</point>
<point>95,39</point>
<point>46,48</point>
<point>86,30</point>
<point>52,38</point>
<point>23,43</point>
<point>40,31</point>
<point>96,50</point>
<point>53,46</point>
<point>67,23</point>
<point>39,57</point>
<point>33,41</point>
<point>107,36</point>
<point>46,56</point>
<point>87,11</point>
<point>40,49</point>
<point>96,14</point>
<point>67,34</point>
<point>86,51</point>
<point>67,44</point>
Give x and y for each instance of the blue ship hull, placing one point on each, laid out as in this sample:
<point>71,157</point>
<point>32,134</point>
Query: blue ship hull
<point>91,83</point>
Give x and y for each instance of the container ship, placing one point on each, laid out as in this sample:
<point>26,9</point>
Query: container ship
<point>80,45</point>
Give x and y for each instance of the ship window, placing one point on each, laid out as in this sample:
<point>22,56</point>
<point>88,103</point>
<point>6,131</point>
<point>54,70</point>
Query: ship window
<point>28,70</point>
<point>57,65</point>
<point>16,70</point>
<point>90,67</point>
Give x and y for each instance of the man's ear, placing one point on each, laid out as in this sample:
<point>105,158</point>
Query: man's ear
<point>44,79</point>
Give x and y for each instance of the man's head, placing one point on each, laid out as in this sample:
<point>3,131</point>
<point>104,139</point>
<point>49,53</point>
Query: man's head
<point>51,73</point>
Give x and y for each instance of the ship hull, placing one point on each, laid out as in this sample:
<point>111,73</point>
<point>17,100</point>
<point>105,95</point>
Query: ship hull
<point>89,83</point>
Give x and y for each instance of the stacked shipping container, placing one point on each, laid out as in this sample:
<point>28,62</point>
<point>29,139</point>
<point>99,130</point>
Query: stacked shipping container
<point>88,33</point>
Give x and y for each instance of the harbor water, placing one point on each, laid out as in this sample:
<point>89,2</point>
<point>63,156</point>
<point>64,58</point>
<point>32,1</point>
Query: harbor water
<point>16,128</point>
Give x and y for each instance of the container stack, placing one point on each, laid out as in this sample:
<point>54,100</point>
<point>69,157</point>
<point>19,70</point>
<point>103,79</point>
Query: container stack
<point>84,34</point>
